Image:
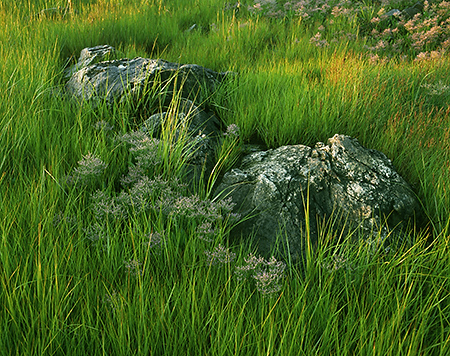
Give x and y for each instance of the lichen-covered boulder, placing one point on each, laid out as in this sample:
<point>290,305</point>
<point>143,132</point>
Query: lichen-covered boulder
<point>122,80</point>
<point>98,79</point>
<point>91,56</point>
<point>200,131</point>
<point>341,182</point>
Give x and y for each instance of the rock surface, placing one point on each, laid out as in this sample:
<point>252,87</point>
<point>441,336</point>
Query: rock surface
<point>199,127</point>
<point>91,56</point>
<point>129,79</point>
<point>342,181</point>
<point>406,14</point>
<point>96,79</point>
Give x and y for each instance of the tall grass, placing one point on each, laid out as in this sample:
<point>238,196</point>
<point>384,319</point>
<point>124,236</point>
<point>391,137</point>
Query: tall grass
<point>88,268</point>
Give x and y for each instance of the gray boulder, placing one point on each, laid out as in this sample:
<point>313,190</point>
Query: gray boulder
<point>391,17</point>
<point>341,182</point>
<point>97,79</point>
<point>410,12</point>
<point>191,118</point>
<point>200,129</point>
<point>91,56</point>
<point>123,80</point>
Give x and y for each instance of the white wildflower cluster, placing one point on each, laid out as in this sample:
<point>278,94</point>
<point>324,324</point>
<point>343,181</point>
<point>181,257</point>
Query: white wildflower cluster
<point>112,301</point>
<point>106,207</point>
<point>104,126</point>
<point>155,242</point>
<point>318,41</point>
<point>89,171</point>
<point>144,192</point>
<point>145,153</point>
<point>437,89</point>
<point>220,256</point>
<point>206,231</point>
<point>335,263</point>
<point>267,274</point>
<point>425,32</point>
<point>305,9</point>
<point>134,267</point>
<point>233,130</point>
<point>97,233</point>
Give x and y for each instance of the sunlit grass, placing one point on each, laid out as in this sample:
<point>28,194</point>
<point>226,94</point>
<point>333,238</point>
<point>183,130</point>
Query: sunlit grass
<point>137,280</point>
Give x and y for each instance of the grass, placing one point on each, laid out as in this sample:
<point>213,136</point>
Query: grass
<point>88,266</point>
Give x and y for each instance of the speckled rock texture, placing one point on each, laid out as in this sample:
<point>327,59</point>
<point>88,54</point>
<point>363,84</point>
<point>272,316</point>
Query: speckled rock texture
<point>125,79</point>
<point>280,190</point>
<point>96,80</point>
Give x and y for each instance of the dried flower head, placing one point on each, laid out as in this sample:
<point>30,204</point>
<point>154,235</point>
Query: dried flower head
<point>112,300</point>
<point>106,207</point>
<point>233,130</point>
<point>90,170</point>
<point>155,242</point>
<point>133,267</point>
<point>145,153</point>
<point>335,263</point>
<point>318,41</point>
<point>103,126</point>
<point>267,275</point>
<point>220,255</point>
<point>61,219</point>
<point>437,89</point>
<point>96,232</point>
<point>206,232</point>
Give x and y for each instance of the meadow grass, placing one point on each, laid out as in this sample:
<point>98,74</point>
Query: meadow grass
<point>104,250</point>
